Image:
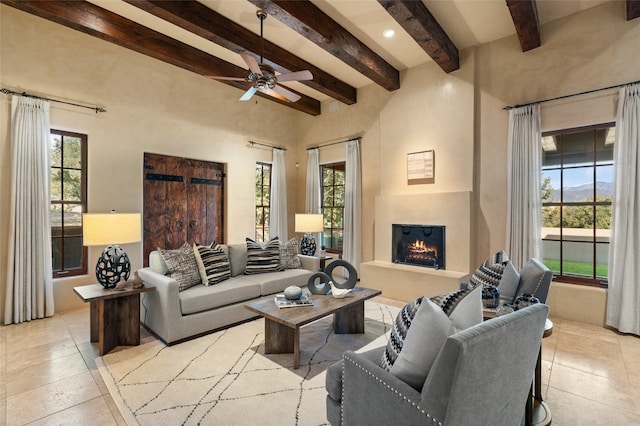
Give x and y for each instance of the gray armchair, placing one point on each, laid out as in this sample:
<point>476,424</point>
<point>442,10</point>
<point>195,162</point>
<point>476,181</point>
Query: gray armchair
<point>535,278</point>
<point>481,376</point>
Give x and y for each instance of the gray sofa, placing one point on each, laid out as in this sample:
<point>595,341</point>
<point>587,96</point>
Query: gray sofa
<point>176,316</point>
<point>481,376</point>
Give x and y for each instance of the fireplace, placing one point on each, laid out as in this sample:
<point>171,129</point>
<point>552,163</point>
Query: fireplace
<point>420,245</point>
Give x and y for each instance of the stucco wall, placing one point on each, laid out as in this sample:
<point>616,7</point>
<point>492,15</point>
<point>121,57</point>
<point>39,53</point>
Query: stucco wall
<point>156,107</point>
<point>152,107</point>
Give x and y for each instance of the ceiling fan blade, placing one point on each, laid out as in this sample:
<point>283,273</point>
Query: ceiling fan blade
<point>249,94</point>
<point>226,78</point>
<point>295,76</point>
<point>293,97</point>
<point>251,63</point>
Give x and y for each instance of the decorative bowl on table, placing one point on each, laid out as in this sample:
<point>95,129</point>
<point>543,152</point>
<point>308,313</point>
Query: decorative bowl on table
<point>292,292</point>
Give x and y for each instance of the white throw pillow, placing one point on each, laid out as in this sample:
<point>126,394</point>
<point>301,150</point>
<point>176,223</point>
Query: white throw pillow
<point>429,330</point>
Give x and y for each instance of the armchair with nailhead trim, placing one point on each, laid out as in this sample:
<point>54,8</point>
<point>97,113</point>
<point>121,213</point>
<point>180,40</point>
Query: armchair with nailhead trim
<point>481,376</point>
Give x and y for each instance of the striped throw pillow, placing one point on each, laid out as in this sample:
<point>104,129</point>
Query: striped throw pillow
<point>263,258</point>
<point>398,333</point>
<point>213,263</point>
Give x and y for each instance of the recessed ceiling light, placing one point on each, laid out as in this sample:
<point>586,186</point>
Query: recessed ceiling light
<point>388,33</point>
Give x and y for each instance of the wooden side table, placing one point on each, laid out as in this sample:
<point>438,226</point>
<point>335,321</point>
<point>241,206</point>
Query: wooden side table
<point>115,315</point>
<point>323,261</point>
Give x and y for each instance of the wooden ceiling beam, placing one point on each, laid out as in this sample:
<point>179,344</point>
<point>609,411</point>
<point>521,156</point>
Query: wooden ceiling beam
<point>420,24</point>
<point>199,19</point>
<point>98,22</point>
<point>312,23</point>
<point>633,9</point>
<point>525,18</point>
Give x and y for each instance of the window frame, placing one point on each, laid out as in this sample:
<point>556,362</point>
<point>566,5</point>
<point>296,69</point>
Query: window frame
<point>264,227</point>
<point>595,281</point>
<point>330,230</point>
<point>83,269</point>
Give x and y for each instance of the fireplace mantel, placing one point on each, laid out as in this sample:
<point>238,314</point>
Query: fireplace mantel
<point>406,282</point>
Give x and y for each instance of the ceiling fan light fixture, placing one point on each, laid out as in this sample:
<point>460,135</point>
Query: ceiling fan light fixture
<point>263,77</point>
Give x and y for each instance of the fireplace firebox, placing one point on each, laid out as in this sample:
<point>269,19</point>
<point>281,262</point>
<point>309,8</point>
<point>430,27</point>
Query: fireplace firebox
<point>420,245</point>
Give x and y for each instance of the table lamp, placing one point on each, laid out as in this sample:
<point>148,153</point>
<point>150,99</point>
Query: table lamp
<point>308,223</point>
<point>110,229</point>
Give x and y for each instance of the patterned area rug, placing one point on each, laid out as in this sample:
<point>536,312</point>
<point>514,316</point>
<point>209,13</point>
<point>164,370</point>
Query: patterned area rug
<point>226,379</point>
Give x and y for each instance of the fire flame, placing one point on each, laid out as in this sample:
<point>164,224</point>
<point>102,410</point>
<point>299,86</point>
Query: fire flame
<point>420,247</point>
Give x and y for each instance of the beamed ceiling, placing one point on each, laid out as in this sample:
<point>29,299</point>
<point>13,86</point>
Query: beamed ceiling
<point>339,41</point>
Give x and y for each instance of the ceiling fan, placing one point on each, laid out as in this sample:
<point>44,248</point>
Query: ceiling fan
<point>264,77</point>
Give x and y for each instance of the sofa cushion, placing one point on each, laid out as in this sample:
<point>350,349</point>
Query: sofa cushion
<point>182,266</point>
<point>509,283</point>
<point>275,282</point>
<point>289,254</point>
<point>213,263</point>
<point>429,330</point>
<point>237,258</point>
<point>497,272</point>
<point>399,332</point>
<point>157,264</point>
<point>200,298</point>
<point>464,307</point>
<point>263,258</point>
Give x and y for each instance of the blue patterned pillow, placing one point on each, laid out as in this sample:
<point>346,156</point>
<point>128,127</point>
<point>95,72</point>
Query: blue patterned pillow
<point>213,263</point>
<point>263,258</point>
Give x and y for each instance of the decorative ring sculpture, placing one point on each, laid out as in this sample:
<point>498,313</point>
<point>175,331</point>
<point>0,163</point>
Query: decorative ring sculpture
<point>350,282</point>
<point>323,287</point>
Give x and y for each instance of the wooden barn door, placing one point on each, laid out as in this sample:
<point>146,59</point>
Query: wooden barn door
<point>183,201</point>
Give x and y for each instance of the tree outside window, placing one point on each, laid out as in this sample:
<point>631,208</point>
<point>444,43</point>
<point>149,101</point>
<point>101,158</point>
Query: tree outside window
<point>263,201</point>
<point>577,190</point>
<point>333,206</point>
<point>68,187</point>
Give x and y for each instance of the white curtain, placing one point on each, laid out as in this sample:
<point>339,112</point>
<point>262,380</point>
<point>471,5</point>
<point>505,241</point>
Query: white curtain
<point>524,193</point>
<point>29,290</point>
<point>278,213</point>
<point>313,193</point>
<point>623,300</point>
<point>351,251</point>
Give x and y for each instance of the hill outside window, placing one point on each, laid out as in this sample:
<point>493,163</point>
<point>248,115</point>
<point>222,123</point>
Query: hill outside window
<point>577,190</point>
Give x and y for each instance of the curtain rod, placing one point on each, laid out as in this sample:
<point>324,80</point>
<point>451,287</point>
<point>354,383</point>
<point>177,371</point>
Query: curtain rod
<point>267,145</point>
<point>334,143</point>
<point>508,107</point>
<point>96,108</point>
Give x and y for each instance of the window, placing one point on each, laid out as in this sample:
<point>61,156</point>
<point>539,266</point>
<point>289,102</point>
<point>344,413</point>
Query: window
<point>263,201</point>
<point>333,206</point>
<point>577,189</point>
<point>68,183</point>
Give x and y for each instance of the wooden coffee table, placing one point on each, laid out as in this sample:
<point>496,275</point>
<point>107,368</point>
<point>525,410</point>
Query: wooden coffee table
<point>282,326</point>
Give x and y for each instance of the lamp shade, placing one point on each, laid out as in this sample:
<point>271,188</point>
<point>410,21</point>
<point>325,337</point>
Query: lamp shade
<point>308,222</point>
<point>101,229</point>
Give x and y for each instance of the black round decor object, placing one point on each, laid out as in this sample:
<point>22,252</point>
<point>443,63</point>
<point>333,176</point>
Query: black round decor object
<point>350,282</point>
<point>308,245</point>
<point>323,287</point>
<point>113,266</point>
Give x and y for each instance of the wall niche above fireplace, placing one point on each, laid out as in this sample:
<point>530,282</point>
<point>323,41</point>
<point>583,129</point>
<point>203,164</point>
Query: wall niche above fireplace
<point>419,245</point>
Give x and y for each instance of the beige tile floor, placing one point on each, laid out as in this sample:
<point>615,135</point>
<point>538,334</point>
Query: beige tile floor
<point>591,375</point>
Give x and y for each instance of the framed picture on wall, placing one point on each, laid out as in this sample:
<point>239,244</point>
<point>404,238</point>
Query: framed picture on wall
<point>421,167</point>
